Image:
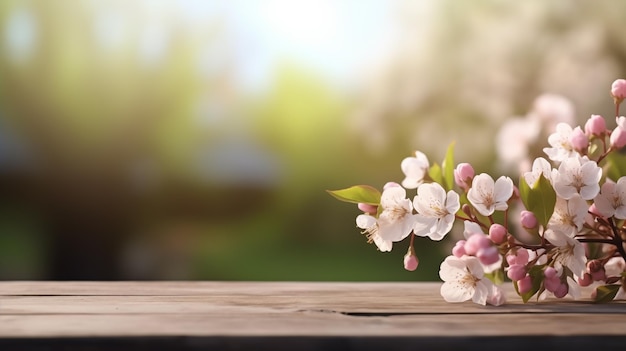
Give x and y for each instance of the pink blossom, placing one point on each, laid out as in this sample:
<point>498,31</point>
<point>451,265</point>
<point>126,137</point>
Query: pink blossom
<point>459,249</point>
<point>488,255</point>
<point>520,257</point>
<point>525,284</point>
<point>463,175</point>
<point>497,233</point>
<point>599,275</point>
<point>410,261</point>
<point>618,89</point>
<point>585,280</point>
<point>618,138</point>
<point>476,242</point>
<point>516,272</point>
<point>578,140</point>
<point>595,125</point>
<point>528,219</point>
<point>550,272</point>
<point>552,283</point>
<point>561,290</point>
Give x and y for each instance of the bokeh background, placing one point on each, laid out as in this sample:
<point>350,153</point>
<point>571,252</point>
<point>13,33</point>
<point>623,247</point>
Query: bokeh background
<point>194,139</point>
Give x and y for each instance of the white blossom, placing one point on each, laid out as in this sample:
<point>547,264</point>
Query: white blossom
<point>488,196</point>
<point>396,219</point>
<point>569,215</point>
<point>369,224</point>
<point>560,141</point>
<point>464,279</point>
<point>414,169</point>
<point>541,166</point>
<point>573,289</point>
<point>568,252</point>
<point>577,175</point>
<point>435,210</point>
<point>612,199</point>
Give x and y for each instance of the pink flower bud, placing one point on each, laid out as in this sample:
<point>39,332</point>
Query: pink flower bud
<point>488,255</point>
<point>595,125</point>
<point>594,265</point>
<point>585,280</point>
<point>552,284</point>
<point>475,242</point>
<point>618,138</point>
<point>459,249</point>
<point>528,219</point>
<point>410,262</point>
<point>522,256</point>
<point>599,275</point>
<point>367,208</point>
<point>516,272</point>
<point>463,175</point>
<point>561,290</point>
<point>511,259</point>
<point>525,284</point>
<point>497,233</point>
<point>549,272</point>
<point>579,140</point>
<point>618,89</point>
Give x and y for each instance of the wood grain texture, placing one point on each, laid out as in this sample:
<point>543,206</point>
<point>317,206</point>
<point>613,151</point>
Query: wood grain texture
<point>293,315</point>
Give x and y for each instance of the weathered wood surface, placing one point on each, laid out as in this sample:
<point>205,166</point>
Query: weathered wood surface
<point>289,315</point>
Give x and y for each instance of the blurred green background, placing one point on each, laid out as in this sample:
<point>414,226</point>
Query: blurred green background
<point>195,139</point>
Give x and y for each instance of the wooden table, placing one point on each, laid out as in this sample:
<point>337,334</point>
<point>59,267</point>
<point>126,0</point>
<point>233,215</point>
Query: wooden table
<point>290,316</point>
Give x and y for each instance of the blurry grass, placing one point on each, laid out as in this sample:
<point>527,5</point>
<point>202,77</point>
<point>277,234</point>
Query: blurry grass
<point>22,247</point>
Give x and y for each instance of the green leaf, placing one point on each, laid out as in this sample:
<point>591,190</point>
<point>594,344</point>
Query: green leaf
<point>536,276</point>
<point>357,194</point>
<point>539,198</point>
<point>606,293</point>
<point>435,173</point>
<point>497,276</point>
<point>615,166</point>
<point>448,167</point>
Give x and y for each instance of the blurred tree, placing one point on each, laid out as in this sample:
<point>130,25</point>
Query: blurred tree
<point>110,125</point>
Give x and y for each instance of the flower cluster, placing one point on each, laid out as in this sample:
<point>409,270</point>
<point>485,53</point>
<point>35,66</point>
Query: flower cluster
<point>561,227</point>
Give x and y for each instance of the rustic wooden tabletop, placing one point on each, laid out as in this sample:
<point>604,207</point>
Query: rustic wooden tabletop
<point>290,316</point>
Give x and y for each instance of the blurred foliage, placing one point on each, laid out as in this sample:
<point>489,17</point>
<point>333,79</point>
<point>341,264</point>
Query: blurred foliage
<point>122,156</point>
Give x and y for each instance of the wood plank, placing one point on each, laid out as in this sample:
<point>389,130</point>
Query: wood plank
<point>345,304</point>
<point>289,315</point>
<point>309,324</point>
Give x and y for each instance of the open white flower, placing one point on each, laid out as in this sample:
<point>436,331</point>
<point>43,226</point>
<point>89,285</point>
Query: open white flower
<point>414,169</point>
<point>577,175</point>
<point>396,219</point>
<point>541,166</point>
<point>569,252</point>
<point>569,215</point>
<point>464,279</point>
<point>560,141</point>
<point>488,196</point>
<point>369,224</point>
<point>435,210</point>
<point>612,199</point>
